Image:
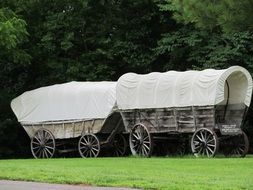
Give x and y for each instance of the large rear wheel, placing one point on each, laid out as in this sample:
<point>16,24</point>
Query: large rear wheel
<point>237,146</point>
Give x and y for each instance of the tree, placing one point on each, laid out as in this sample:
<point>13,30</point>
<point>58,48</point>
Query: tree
<point>188,48</point>
<point>227,15</point>
<point>14,60</point>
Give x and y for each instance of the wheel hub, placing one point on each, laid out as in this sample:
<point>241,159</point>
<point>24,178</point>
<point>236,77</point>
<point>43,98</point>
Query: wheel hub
<point>89,146</point>
<point>203,144</point>
<point>42,144</point>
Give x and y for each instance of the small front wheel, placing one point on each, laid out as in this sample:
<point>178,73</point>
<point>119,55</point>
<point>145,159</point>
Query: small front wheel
<point>43,144</point>
<point>141,142</point>
<point>88,146</point>
<point>204,142</point>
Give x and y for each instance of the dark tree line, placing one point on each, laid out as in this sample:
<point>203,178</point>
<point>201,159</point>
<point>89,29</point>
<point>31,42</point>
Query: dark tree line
<point>54,41</point>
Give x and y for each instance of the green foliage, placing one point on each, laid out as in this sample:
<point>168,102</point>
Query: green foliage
<point>12,29</point>
<point>201,49</point>
<point>229,15</point>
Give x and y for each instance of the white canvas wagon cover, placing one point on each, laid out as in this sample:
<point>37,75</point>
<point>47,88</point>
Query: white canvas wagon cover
<point>68,101</point>
<point>179,89</point>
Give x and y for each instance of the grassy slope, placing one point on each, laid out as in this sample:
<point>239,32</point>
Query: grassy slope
<point>148,173</point>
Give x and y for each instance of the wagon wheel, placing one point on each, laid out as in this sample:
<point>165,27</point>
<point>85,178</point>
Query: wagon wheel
<point>43,144</point>
<point>204,142</point>
<point>119,145</point>
<point>238,146</point>
<point>141,142</point>
<point>89,146</point>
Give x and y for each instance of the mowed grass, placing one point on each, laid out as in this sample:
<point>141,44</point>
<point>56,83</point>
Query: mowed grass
<point>145,173</point>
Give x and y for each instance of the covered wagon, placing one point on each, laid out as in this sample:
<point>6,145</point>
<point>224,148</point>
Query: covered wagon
<point>81,114</point>
<point>207,107</point>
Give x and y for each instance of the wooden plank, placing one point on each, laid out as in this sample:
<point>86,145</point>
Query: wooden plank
<point>185,122</point>
<point>204,116</point>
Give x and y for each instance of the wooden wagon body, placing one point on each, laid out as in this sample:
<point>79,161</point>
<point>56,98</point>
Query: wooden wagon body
<point>208,107</point>
<point>72,116</point>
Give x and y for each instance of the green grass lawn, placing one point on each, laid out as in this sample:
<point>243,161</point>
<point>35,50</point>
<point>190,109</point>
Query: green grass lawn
<point>147,173</point>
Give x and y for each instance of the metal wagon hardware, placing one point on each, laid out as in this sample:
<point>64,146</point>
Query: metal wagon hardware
<point>205,107</point>
<point>72,116</point>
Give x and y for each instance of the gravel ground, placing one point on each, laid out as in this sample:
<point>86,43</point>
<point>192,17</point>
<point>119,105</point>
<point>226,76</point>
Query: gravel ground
<point>22,185</point>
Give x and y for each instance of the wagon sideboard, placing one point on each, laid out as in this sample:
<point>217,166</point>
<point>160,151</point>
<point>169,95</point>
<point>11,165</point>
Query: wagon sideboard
<point>76,128</point>
<point>186,119</point>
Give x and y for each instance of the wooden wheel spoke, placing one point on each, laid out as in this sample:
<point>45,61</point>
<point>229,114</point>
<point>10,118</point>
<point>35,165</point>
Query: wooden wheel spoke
<point>207,153</point>
<point>138,148</point>
<point>95,149</point>
<point>45,153</point>
<point>85,140</point>
<point>39,136</point>
<point>47,138</point>
<point>135,145</point>
<point>196,142</point>
<point>33,142</point>
<point>87,153</point>
<point>121,152</point>
<point>208,137</point>
<point>199,138</point>
<point>85,149</point>
<point>200,150</point>
<point>85,144</point>
<point>211,145</point>
<point>94,154</point>
<point>197,147</point>
<point>146,137</point>
<point>145,146</point>
<point>37,151</point>
<point>35,147</point>
<point>146,142</point>
<point>49,151</point>
<point>205,136</point>
<point>135,136</point>
<point>210,149</point>
<point>40,153</point>
<point>94,141</point>
<point>212,140</point>
<point>37,139</point>
<point>202,136</point>
<point>52,148</point>
<point>241,149</point>
<point>138,134</point>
